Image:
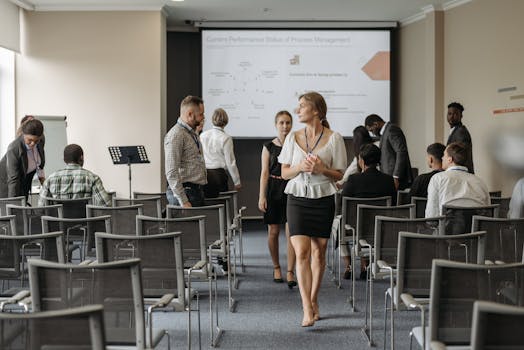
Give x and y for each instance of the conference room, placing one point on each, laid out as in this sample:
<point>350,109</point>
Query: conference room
<point>110,76</point>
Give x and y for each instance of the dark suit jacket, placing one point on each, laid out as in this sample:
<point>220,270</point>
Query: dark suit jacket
<point>13,166</point>
<point>461,134</point>
<point>394,157</point>
<point>370,183</point>
<point>419,187</point>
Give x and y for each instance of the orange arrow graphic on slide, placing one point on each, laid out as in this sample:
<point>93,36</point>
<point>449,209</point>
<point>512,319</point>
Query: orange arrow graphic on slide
<point>377,68</point>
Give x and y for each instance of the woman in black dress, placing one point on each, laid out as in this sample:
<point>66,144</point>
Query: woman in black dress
<point>272,200</point>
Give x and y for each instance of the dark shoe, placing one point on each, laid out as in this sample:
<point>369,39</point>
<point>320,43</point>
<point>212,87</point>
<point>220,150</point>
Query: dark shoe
<point>277,279</point>
<point>363,275</point>
<point>291,282</point>
<point>347,273</point>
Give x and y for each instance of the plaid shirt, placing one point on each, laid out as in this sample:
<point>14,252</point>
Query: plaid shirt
<point>74,182</point>
<point>184,160</point>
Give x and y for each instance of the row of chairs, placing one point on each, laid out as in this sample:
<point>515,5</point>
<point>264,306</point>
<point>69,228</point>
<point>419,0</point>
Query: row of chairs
<point>378,235</point>
<point>93,223</point>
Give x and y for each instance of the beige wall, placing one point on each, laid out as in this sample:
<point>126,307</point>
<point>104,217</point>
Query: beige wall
<point>106,72</point>
<point>483,51</point>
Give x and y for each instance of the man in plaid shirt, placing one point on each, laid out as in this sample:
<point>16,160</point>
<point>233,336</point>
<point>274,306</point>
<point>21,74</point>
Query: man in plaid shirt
<point>184,159</point>
<point>74,181</point>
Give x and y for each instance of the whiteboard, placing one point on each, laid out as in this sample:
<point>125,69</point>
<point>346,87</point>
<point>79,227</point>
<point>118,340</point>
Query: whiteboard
<point>253,74</point>
<point>55,142</point>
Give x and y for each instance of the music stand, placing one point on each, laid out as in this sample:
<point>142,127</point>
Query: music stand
<point>128,155</point>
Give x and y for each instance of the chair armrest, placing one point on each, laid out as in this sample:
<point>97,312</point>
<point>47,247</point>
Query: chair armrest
<point>384,265</point>
<point>162,302</point>
<point>488,262</point>
<point>499,262</point>
<point>15,299</point>
<point>364,243</point>
<point>436,345</point>
<point>87,262</point>
<point>199,265</point>
<point>410,302</point>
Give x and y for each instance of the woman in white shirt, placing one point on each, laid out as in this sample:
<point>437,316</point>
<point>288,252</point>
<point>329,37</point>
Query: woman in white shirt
<point>312,159</point>
<point>219,155</point>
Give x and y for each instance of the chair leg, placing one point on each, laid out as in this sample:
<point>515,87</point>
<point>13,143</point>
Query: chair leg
<point>410,340</point>
<point>385,316</point>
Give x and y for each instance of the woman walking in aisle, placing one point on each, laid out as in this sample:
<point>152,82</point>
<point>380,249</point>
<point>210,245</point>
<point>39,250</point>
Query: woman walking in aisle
<point>272,200</point>
<point>312,159</point>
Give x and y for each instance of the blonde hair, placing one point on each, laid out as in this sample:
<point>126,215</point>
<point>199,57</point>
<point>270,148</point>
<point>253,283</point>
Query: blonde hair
<point>319,104</point>
<point>220,118</point>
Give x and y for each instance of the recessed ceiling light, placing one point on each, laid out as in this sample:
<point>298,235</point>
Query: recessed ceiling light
<point>177,0</point>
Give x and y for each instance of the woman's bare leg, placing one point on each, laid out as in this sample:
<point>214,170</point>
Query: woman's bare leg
<point>273,231</point>
<point>318,265</point>
<point>291,258</point>
<point>302,246</point>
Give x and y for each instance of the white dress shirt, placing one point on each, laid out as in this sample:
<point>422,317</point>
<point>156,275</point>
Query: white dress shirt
<point>332,154</point>
<point>219,153</point>
<point>516,204</point>
<point>455,186</point>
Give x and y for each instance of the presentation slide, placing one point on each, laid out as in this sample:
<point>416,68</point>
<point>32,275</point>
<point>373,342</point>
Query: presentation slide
<point>253,74</point>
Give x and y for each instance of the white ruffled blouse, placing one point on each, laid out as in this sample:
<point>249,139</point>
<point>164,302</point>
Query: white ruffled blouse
<point>307,185</point>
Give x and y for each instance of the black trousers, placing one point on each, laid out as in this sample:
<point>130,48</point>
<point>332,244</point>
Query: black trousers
<point>216,182</point>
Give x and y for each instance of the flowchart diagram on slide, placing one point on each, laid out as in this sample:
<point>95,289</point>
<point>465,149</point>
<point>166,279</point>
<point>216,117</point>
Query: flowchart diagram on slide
<point>254,74</point>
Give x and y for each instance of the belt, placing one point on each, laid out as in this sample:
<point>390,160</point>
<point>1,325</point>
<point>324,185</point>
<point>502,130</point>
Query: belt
<point>192,185</point>
<point>276,177</point>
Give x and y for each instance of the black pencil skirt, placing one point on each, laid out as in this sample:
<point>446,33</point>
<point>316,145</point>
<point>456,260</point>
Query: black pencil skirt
<point>310,217</point>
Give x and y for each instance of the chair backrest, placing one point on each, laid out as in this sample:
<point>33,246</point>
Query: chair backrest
<point>116,285</point>
<point>123,219</point>
<point>162,195</point>
<point>349,208</point>
<point>503,203</point>
<point>504,239</point>
<point>497,326</point>
<point>7,225</point>
<point>458,219</point>
<point>366,218</point>
<point>420,206</point>
<point>78,328</point>
<point>28,219</point>
<point>71,207</point>
<point>194,243</point>
<point>403,197</point>
<point>160,256</point>
<point>417,251</point>
<point>20,201</point>
<point>215,223</point>
<point>387,230</point>
<point>76,228</point>
<point>15,249</point>
<point>495,193</point>
<point>233,205</point>
<point>454,288</point>
<point>152,206</point>
<point>227,202</point>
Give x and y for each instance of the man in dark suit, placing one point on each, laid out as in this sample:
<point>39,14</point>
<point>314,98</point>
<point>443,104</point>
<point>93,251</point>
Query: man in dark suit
<point>368,184</point>
<point>394,159</point>
<point>459,132</point>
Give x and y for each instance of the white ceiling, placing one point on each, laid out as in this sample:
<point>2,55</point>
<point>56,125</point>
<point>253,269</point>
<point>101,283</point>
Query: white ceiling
<point>257,10</point>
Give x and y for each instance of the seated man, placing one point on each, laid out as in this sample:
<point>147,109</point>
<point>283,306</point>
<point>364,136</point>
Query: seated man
<point>74,181</point>
<point>455,185</point>
<point>435,152</point>
<point>368,184</point>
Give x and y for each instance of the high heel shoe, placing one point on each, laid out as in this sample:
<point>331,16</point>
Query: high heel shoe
<point>275,279</point>
<point>291,282</point>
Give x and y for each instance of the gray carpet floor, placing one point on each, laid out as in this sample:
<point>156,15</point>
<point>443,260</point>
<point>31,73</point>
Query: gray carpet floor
<point>268,314</point>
